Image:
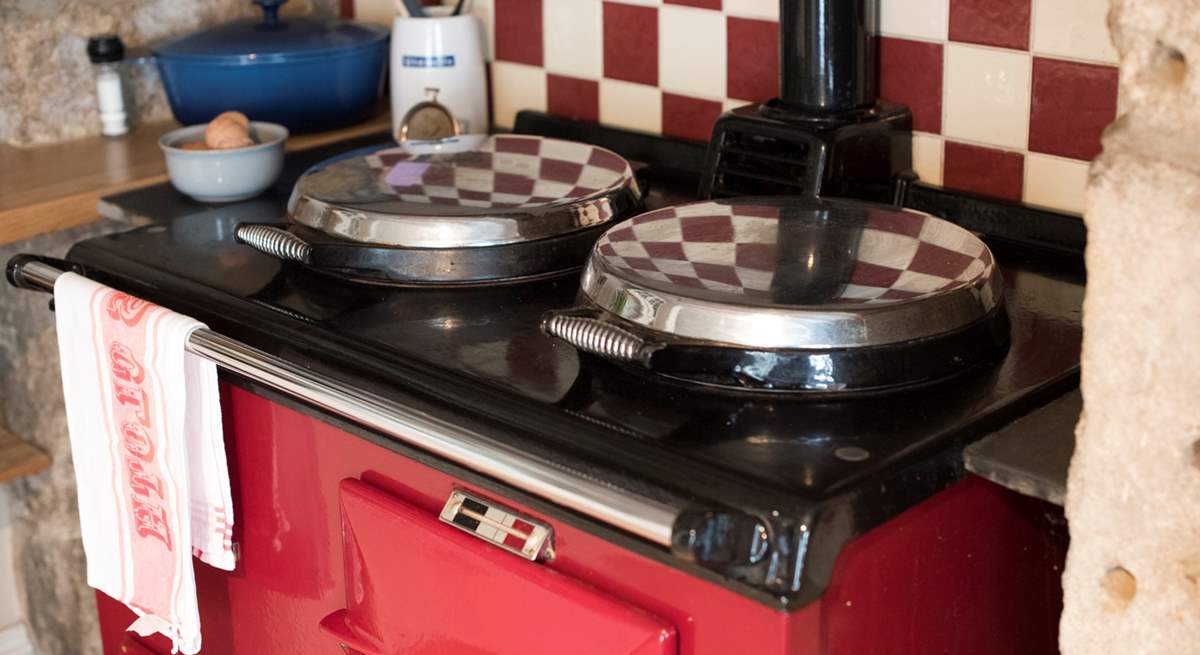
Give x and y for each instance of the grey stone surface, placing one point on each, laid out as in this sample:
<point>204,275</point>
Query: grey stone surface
<point>1031,455</point>
<point>59,607</point>
<point>47,92</point>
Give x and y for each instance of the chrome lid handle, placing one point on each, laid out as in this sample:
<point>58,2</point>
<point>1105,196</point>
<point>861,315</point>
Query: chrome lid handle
<point>274,241</point>
<point>597,337</point>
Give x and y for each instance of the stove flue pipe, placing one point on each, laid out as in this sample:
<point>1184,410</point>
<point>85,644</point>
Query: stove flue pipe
<point>827,55</point>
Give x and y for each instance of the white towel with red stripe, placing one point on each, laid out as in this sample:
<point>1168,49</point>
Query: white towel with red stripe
<point>145,423</point>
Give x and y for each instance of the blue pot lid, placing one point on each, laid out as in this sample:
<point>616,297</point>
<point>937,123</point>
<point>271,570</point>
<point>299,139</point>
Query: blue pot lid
<point>285,39</point>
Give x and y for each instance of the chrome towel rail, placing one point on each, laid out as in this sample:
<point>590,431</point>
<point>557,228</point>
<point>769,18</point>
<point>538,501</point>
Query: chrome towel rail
<point>646,518</point>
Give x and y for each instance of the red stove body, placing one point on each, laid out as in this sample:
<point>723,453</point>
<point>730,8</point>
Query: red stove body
<point>340,544</point>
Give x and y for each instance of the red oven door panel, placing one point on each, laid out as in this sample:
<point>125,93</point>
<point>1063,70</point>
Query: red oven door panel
<point>417,586</point>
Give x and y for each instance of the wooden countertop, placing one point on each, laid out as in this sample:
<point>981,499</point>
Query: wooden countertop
<point>54,187</point>
<point>18,457</point>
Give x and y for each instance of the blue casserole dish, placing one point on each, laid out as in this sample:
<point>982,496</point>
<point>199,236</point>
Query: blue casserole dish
<point>306,74</point>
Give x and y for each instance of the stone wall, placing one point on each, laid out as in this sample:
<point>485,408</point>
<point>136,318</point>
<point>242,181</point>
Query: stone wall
<point>59,608</point>
<point>47,92</point>
<point>1132,583</point>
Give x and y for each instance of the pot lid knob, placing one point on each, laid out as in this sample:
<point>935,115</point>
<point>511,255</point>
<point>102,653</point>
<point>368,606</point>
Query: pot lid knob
<point>270,9</point>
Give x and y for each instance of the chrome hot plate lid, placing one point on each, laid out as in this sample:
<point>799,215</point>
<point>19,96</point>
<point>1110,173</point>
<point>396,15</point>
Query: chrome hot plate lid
<point>790,294</point>
<point>466,192</point>
<point>784,273</point>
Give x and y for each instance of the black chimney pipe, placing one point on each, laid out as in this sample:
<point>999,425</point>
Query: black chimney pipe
<point>827,55</point>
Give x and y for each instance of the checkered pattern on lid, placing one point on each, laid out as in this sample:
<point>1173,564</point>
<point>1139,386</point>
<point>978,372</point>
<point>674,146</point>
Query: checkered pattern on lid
<point>765,254</point>
<point>467,191</point>
<point>503,172</point>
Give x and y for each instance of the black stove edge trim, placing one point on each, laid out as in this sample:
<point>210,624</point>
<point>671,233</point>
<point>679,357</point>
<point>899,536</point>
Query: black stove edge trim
<point>90,261</point>
<point>542,506</point>
<point>811,564</point>
<point>801,566</point>
<point>835,523</point>
<point>793,586</point>
<point>684,159</point>
<point>1063,233</point>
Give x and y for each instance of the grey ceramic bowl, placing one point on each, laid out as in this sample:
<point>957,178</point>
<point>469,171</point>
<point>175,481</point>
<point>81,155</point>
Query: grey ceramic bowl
<point>224,175</point>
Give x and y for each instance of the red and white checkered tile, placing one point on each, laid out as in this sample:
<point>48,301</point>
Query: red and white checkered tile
<point>1009,96</point>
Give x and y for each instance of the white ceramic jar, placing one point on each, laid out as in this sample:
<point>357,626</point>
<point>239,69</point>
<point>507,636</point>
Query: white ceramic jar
<point>443,54</point>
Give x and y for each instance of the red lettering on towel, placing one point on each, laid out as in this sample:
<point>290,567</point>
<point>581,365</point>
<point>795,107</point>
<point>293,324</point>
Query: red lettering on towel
<point>138,441</point>
<point>151,522</point>
<point>125,308</point>
<point>146,491</point>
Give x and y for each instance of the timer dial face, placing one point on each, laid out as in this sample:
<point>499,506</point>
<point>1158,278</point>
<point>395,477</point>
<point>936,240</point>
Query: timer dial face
<point>428,121</point>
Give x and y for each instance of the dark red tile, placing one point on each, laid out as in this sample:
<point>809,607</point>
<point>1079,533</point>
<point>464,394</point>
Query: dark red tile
<point>607,160</point>
<point>665,250</point>
<point>688,118</point>
<point>707,229</point>
<point>932,259</point>
<point>573,98</point>
<point>910,73</point>
<point>985,171</point>
<point>518,25</point>
<point>631,43</point>
<point>752,49</point>
<point>558,170</point>
<point>703,4</point>
<point>516,143</point>
<point>758,256</point>
<point>717,273</point>
<point>873,275</point>
<point>1072,104</point>
<point>1003,23</point>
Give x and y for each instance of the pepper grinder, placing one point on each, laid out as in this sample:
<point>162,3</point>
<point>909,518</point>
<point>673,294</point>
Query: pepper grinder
<point>106,53</point>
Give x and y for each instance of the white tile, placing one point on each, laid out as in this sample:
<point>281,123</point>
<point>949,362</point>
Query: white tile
<point>691,51</point>
<point>631,106</point>
<point>986,97</point>
<point>730,104</point>
<point>375,11</point>
<point>922,19</point>
<point>572,30</point>
<point>763,9</point>
<point>485,11</point>
<point>927,157</point>
<point>516,87</point>
<point>1073,28</point>
<point>1055,182</point>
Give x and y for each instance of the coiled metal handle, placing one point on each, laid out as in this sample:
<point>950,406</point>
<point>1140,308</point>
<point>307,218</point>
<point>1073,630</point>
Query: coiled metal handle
<point>597,337</point>
<point>278,243</point>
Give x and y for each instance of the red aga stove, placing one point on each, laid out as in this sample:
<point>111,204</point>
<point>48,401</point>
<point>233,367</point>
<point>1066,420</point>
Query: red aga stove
<point>726,425</point>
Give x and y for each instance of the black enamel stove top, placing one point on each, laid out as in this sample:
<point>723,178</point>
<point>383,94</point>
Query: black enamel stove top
<point>478,353</point>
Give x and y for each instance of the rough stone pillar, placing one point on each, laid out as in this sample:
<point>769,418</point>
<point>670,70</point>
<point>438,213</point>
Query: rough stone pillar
<point>1132,582</point>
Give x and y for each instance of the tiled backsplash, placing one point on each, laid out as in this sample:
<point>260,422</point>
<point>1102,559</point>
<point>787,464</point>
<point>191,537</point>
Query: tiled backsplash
<point>1009,97</point>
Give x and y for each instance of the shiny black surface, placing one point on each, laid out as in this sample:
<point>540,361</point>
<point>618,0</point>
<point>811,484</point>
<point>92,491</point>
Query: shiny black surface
<point>827,54</point>
<point>816,471</point>
<point>490,336</point>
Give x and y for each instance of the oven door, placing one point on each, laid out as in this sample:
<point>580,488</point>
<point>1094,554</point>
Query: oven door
<point>419,586</point>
